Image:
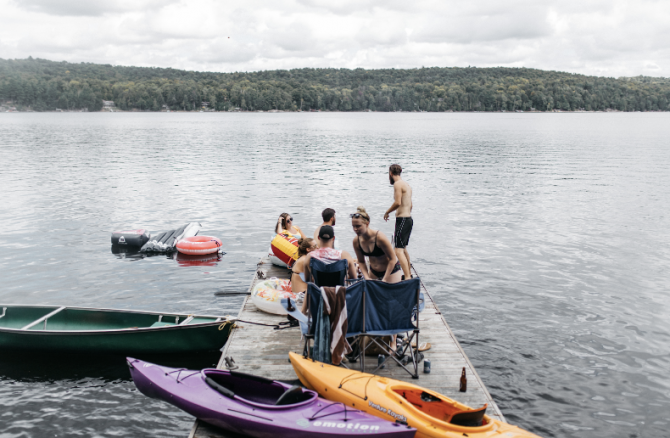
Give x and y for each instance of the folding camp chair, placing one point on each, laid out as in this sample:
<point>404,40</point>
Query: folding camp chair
<point>307,328</point>
<point>292,308</point>
<point>328,274</point>
<point>376,309</point>
<point>323,275</point>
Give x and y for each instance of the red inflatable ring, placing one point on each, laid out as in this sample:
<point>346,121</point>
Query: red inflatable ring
<point>198,245</point>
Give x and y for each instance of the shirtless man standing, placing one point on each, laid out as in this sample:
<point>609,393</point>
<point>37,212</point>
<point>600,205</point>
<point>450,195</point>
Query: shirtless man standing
<point>402,205</point>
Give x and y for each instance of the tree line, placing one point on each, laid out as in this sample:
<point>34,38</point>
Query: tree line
<point>43,85</point>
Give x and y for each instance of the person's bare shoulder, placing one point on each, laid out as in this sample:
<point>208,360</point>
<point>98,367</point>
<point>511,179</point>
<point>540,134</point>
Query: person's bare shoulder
<point>382,239</point>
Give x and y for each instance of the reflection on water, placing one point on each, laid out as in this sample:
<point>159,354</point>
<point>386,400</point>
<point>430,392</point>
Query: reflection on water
<point>125,253</point>
<point>31,367</point>
<point>198,260</point>
<point>85,395</point>
<point>543,238</point>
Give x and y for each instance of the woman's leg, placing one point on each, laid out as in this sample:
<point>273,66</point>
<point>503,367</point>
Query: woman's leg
<point>396,277</point>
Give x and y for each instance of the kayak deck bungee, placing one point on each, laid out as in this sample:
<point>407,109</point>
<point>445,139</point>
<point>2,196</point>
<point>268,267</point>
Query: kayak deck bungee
<point>432,414</point>
<point>256,406</point>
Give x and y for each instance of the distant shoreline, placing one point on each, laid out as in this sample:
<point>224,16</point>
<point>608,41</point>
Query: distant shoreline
<point>43,85</point>
<point>341,112</point>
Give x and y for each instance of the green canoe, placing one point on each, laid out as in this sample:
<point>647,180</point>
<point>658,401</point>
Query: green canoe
<point>108,331</point>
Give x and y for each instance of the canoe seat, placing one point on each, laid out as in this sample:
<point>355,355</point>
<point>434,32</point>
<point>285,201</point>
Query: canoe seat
<point>161,324</point>
<point>469,418</point>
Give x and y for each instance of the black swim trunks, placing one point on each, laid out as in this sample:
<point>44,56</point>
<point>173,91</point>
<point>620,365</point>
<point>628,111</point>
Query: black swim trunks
<point>380,275</point>
<point>403,229</point>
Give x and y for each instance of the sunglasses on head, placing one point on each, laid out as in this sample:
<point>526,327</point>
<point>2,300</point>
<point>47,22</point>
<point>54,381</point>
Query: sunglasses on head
<point>356,216</point>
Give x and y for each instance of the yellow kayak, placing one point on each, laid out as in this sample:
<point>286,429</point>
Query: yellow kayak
<point>432,414</point>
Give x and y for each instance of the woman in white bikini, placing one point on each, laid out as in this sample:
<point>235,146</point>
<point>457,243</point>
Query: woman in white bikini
<point>285,223</point>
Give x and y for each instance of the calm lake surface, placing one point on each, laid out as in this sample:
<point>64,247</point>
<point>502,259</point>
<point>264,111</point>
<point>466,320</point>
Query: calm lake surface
<point>544,239</point>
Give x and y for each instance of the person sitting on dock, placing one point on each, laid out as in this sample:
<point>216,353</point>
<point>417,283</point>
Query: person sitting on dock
<point>328,254</point>
<point>374,245</point>
<point>298,271</point>
<point>285,223</point>
<point>328,216</point>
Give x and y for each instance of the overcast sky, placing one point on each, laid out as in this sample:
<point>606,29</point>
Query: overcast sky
<point>597,37</point>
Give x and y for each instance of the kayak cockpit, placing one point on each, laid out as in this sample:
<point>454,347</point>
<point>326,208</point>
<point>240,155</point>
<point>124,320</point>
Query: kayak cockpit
<point>256,390</point>
<point>443,409</point>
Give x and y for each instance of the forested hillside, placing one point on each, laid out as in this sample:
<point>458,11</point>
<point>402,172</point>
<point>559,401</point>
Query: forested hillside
<point>43,85</point>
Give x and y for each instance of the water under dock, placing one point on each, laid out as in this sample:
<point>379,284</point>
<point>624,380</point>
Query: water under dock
<point>261,350</point>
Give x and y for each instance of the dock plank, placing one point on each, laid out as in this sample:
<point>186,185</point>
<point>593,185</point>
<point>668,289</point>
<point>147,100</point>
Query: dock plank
<point>261,350</point>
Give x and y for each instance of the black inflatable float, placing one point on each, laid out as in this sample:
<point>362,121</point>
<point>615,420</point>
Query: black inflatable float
<point>131,239</point>
<point>139,240</point>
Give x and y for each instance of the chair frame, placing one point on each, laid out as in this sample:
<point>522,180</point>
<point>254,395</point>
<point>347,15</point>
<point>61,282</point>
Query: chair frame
<point>406,347</point>
<point>328,269</point>
<point>406,344</point>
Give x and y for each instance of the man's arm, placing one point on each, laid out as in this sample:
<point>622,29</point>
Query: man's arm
<point>397,200</point>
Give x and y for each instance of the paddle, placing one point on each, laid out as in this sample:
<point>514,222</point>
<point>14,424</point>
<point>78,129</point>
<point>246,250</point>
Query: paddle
<point>223,293</point>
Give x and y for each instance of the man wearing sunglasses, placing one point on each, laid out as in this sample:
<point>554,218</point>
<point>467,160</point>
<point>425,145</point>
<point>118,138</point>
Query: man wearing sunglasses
<point>402,205</point>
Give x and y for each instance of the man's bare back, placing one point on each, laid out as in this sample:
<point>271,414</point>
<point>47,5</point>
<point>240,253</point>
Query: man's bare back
<point>402,197</point>
<point>403,191</point>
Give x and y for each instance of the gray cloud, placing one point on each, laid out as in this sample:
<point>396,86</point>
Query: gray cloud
<point>293,37</point>
<point>88,7</point>
<point>469,29</point>
<point>354,7</point>
<point>604,37</point>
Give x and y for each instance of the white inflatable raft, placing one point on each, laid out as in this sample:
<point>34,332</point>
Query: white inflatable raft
<point>267,295</point>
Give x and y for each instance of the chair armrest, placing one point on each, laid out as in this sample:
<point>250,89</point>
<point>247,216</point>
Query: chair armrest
<point>422,302</point>
<point>296,313</point>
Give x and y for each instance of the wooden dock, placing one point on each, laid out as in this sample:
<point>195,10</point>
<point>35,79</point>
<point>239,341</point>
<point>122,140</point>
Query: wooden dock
<point>261,350</point>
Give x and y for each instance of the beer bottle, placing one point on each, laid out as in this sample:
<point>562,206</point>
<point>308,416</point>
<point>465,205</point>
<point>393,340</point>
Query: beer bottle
<point>464,382</point>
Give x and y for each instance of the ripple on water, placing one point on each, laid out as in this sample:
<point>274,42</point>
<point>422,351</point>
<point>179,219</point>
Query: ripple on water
<point>539,235</point>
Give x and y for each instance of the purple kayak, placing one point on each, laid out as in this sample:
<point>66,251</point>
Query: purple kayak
<point>257,406</point>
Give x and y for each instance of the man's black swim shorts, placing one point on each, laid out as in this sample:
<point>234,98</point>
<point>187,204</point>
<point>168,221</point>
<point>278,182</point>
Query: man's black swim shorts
<point>403,229</point>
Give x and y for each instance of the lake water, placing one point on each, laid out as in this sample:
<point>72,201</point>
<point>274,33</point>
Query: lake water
<point>544,239</point>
